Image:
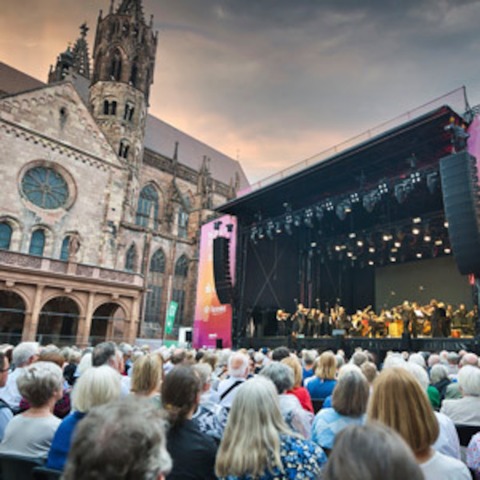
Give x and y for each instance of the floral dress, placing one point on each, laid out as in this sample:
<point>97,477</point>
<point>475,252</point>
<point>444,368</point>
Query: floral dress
<point>301,459</point>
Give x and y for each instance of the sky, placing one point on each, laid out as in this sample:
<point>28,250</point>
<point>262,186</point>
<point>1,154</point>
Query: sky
<point>273,82</point>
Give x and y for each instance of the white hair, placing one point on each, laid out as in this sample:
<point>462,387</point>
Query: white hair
<point>438,372</point>
<point>23,352</point>
<point>419,373</point>
<point>418,359</point>
<point>394,360</point>
<point>238,364</point>
<point>469,380</point>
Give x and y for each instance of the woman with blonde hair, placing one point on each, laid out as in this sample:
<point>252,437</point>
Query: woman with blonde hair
<point>323,383</point>
<point>147,377</point>
<point>298,390</point>
<point>97,386</point>
<point>257,442</point>
<point>399,402</point>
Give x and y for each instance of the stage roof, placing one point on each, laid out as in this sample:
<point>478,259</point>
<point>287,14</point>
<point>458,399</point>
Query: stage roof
<point>417,144</point>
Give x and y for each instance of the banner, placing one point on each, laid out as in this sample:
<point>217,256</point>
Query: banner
<point>213,321</point>
<point>170,318</point>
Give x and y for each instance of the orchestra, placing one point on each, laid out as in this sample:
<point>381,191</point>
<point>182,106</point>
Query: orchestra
<point>432,320</point>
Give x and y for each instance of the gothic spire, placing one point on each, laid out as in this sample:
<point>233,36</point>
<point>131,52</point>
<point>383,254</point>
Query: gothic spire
<point>81,58</point>
<point>133,8</point>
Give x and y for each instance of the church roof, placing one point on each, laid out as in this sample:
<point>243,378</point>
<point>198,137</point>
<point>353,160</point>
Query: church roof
<point>133,8</point>
<point>160,137</point>
<point>14,81</point>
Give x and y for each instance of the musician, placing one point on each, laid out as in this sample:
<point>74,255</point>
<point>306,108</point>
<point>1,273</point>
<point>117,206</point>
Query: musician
<point>299,321</point>
<point>282,317</point>
<point>437,318</point>
<point>344,322</point>
<point>409,318</point>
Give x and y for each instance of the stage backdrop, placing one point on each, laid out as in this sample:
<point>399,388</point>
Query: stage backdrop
<point>421,281</point>
<point>213,321</point>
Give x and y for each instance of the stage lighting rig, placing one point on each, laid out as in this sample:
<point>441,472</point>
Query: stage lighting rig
<point>319,212</point>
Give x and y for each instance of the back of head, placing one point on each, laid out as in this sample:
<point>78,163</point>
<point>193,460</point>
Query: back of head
<point>180,393</point>
<point>350,395</point>
<point>238,365</point>
<point>438,373</point>
<point>280,374</point>
<point>326,366</point>
<point>369,369</point>
<point>104,353</point>
<point>124,439</point>
<point>38,382</point>
<point>147,374</point>
<point>280,353</point>
<point>257,401</point>
<point>309,357</point>
<point>399,401</point>
<point>294,363</point>
<point>469,380</point>
<point>96,386</point>
<point>204,372</point>
<point>469,359</point>
<point>374,452</point>
<point>358,358</point>
<point>24,352</point>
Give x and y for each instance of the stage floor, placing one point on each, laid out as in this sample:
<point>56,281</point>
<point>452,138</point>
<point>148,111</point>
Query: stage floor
<point>379,346</point>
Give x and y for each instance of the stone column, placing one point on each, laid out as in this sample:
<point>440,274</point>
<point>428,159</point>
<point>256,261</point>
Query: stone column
<point>85,323</point>
<point>31,321</point>
<point>134,319</point>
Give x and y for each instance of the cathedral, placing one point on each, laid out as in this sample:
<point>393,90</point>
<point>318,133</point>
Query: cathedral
<point>101,202</point>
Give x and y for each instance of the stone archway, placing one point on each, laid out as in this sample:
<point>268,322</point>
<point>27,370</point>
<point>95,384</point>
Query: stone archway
<point>108,323</point>
<point>12,317</point>
<point>58,322</point>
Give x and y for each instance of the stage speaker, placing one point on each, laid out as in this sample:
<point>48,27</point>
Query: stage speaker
<point>221,269</point>
<point>219,343</point>
<point>188,336</point>
<point>462,211</point>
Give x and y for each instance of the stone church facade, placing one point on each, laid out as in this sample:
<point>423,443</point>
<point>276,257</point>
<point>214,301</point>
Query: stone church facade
<point>101,203</point>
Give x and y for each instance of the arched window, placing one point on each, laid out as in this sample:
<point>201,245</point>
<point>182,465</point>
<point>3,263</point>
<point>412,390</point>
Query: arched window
<point>180,287</point>
<point>182,221</point>
<point>134,74</point>
<point>109,107</point>
<point>116,66</point>
<point>64,253</point>
<point>155,288</point>
<point>37,243</point>
<point>147,202</point>
<point>123,149</point>
<point>128,113</point>
<point>131,259</point>
<point>5,235</point>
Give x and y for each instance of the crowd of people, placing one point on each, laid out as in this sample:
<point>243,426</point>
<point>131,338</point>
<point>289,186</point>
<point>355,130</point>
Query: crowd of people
<point>123,412</point>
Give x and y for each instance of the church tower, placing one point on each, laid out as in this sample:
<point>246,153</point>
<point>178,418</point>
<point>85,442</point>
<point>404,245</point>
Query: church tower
<point>123,65</point>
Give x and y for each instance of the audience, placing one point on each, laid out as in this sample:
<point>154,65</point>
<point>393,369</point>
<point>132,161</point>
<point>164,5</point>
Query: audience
<point>30,433</point>
<point>298,390</point>
<point>399,402</point>
<point>193,452</point>
<point>322,384</point>
<point>349,404</point>
<point>97,386</point>
<point>297,419</point>
<point>465,410</point>
<point>371,452</point>
<point>122,440</point>
<point>250,407</point>
<point>257,442</point>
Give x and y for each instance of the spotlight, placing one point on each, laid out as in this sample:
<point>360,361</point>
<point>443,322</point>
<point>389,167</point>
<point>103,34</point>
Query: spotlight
<point>371,249</point>
<point>261,235</point>
<point>386,237</point>
<point>371,263</point>
<point>383,188</point>
<point>397,244</point>
<point>354,197</point>
<point>419,255</point>
<point>313,244</point>
<point>416,177</point>
<point>447,251</point>
<point>417,220</point>
<point>329,206</point>
<point>416,231</point>
<point>343,209</point>
<point>278,228</point>
<point>427,238</point>
<point>438,243</point>
<point>393,259</point>
<point>445,224</point>
<point>352,235</point>
<point>359,243</point>
<point>308,219</point>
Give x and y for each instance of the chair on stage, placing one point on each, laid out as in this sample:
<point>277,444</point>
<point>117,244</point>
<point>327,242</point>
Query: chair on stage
<point>317,404</point>
<point>44,473</point>
<point>18,467</point>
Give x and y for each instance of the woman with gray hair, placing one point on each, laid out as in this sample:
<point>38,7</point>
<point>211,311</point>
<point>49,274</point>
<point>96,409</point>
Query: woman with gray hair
<point>263,446</point>
<point>296,417</point>
<point>30,433</point>
<point>439,379</point>
<point>465,410</point>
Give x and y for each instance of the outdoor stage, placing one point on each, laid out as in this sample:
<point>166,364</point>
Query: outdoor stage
<point>361,225</point>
